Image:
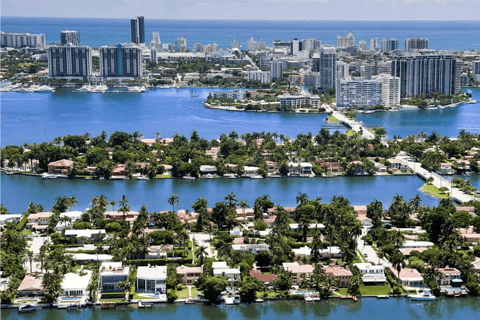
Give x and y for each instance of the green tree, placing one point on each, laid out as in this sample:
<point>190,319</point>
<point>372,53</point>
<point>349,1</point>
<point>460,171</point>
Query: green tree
<point>212,288</point>
<point>249,288</point>
<point>173,200</point>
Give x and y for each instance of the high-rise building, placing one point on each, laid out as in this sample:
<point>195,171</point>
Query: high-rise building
<point>476,70</point>
<point>252,45</point>
<point>69,61</point>
<point>390,89</point>
<point>137,29</point>
<point>311,44</point>
<point>342,69</point>
<point>209,48</point>
<point>362,45</point>
<point>236,44</point>
<point>324,63</point>
<point>155,43</point>
<point>412,44</point>
<point>198,47</point>
<point>276,69</point>
<point>358,92</point>
<point>121,61</point>
<point>346,41</point>
<point>69,36</point>
<point>262,76</point>
<point>374,44</point>
<point>21,40</point>
<point>153,55</point>
<point>390,44</point>
<point>261,45</point>
<point>427,73</point>
<point>295,47</point>
<point>279,44</point>
<point>180,44</point>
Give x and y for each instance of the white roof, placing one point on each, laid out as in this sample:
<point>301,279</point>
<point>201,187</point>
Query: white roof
<point>219,272</point>
<point>72,214</point>
<point>93,257</point>
<point>219,265</point>
<point>113,268</point>
<point>152,272</point>
<point>301,164</point>
<point>247,168</point>
<point>417,244</point>
<point>311,226</point>
<point>4,217</point>
<point>87,233</point>
<point>73,281</point>
<point>369,266</point>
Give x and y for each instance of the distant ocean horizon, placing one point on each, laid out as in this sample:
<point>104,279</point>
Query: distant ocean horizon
<point>95,32</point>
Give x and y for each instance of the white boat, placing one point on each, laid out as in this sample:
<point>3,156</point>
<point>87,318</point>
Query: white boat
<point>27,308</point>
<point>426,295</point>
<point>142,178</point>
<point>189,177</point>
<point>85,88</point>
<point>255,176</point>
<point>100,88</point>
<point>44,89</point>
<point>136,89</point>
<point>259,300</point>
<point>230,175</point>
<point>141,304</point>
<point>46,176</point>
<point>229,301</point>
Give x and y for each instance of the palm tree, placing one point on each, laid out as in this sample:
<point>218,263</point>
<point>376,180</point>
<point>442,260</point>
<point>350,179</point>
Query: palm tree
<point>173,200</point>
<point>315,246</point>
<point>201,253</point>
<point>124,207</point>
<point>375,212</point>
<point>231,197</point>
<point>244,205</point>
<point>301,199</point>
<point>398,262</point>
<point>64,220</point>
<point>30,258</point>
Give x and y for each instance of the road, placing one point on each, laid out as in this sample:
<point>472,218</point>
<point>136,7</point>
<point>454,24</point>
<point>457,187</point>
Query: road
<point>438,180</point>
<point>372,256</point>
<point>34,245</point>
<point>350,123</point>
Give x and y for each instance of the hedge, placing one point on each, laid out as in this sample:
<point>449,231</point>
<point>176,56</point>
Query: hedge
<point>158,262</point>
<point>23,222</point>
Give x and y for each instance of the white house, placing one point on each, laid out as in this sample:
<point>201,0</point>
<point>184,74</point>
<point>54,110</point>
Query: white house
<point>446,168</point>
<point>294,227</point>
<point>250,170</point>
<point>85,233</point>
<point>220,268</point>
<point>329,252</point>
<point>5,218</point>
<point>76,285</point>
<point>416,244</point>
<point>449,276</point>
<point>84,258</point>
<point>73,215</point>
<point>253,248</point>
<point>111,273</point>
<point>152,279</point>
<point>372,274</point>
<point>300,169</point>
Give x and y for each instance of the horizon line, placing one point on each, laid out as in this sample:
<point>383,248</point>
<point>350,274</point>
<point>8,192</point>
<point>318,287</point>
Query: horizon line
<point>256,20</point>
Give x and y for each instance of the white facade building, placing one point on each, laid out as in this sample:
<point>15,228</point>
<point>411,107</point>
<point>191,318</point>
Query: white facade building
<point>374,44</point>
<point>20,40</point>
<point>152,279</point>
<point>262,76</point>
<point>358,92</point>
<point>372,274</point>
<point>276,69</point>
<point>346,41</point>
<point>362,45</point>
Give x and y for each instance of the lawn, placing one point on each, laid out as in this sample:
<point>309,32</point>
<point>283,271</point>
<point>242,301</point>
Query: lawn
<point>332,119</point>
<point>163,176</point>
<point>138,296</point>
<point>433,190</point>
<point>112,300</point>
<point>270,294</point>
<point>350,133</point>
<point>184,293</point>
<point>369,291</point>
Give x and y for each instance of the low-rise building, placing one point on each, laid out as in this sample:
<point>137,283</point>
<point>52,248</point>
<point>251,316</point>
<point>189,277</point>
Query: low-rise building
<point>408,277</point>
<point>340,273</point>
<point>329,252</point>
<point>288,101</point>
<point>6,218</point>
<point>372,274</point>
<point>31,286</point>
<point>417,244</point>
<point>253,248</point>
<point>39,221</point>
<point>298,271</point>
<point>188,275</point>
<point>86,234</point>
<point>76,285</point>
<point>449,276</point>
<point>152,279</point>
<point>111,273</point>
<point>300,169</point>
<point>221,269</point>
<point>62,167</point>
<point>265,278</point>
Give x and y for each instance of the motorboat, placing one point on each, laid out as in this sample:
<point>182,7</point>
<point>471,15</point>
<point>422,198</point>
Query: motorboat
<point>27,308</point>
<point>142,178</point>
<point>141,304</point>
<point>230,176</point>
<point>100,88</point>
<point>190,301</point>
<point>136,89</point>
<point>85,88</point>
<point>426,295</point>
<point>259,300</point>
<point>189,177</point>
<point>46,176</point>
<point>229,301</point>
<point>236,299</point>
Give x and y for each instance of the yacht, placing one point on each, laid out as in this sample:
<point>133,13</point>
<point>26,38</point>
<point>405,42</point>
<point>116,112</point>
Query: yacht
<point>46,176</point>
<point>26,308</point>
<point>136,89</point>
<point>100,88</point>
<point>229,300</point>
<point>426,295</point>
<point>85,88</point>
<point>45,89</point>
<point>189,177</point>
<point>142,178</point>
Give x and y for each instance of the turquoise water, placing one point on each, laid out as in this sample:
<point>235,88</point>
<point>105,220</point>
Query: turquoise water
<point>98,32</point>
<point>447,121</point>
<point>365,308</point>
<point>39,117</point>
<point>18,190</point>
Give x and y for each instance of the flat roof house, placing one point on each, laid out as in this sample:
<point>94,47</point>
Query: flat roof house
<point>372,274</point>
<point>111,273</point>
<point>152,279</point>
<point>450,276</point>
<point>76,285</point>
<point>220,268</point>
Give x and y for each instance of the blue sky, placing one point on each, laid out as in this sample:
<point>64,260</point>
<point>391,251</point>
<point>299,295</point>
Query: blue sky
<point>249,9</point>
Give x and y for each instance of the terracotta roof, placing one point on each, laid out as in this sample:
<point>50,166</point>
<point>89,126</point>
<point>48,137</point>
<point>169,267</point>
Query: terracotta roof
<point>61,163</point>
<point>262,277</point>
<point>448,270</point>
<point>184,270</point>
<point>238,240</point>
<point>304,268</point>
<point>406,273</point>
<point>408,251</point>
<point>337,271</point>
<point>31,283</point>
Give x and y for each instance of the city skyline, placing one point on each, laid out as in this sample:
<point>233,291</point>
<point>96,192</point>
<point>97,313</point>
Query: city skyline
<point>242,10</point>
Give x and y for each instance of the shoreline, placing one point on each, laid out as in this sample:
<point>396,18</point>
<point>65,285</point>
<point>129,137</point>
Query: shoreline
<point>232,108</point>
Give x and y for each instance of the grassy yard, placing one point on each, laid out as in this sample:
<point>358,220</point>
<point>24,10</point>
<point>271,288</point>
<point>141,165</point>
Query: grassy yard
<point>112,300</point>
<point>332,119</point>
<point>433,190</point>
<point>369,291</point>
<point>138,296</point>
<point>270,294</point>
<point>163,176</point>
<point>350,133</point>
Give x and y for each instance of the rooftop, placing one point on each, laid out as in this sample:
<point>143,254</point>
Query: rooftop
<point>152,272</point>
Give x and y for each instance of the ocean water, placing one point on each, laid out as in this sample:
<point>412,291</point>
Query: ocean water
<point>97,32</point>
